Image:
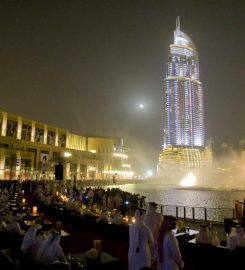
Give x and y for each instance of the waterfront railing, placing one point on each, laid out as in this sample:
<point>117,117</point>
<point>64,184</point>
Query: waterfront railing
<point>198,213</point>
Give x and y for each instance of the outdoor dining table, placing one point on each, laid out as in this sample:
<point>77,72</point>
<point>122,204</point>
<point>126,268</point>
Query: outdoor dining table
<point>47,226</point>
<point>32,221</point>
<point>106,261</point>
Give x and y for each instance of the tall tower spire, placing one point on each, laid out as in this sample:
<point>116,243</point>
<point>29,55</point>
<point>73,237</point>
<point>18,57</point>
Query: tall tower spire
<point>183,112</point>
<point>177,24</point>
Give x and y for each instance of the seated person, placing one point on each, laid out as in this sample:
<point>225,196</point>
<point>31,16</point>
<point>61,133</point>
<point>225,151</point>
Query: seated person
<point>122,209</point>
<point>236,237</point>
<point>69,204</point>
<point>3,225</point>
<point>232,239</point>
<point>8,217</point>
<point>50,251</point>
<point>213,236</point>
<point>76,207</point>
<point>32,241</point>
<point>117,218</point>
<point>103,216</point>
<point>214,239</point>
<point>202,237</point>
<point>13,226</point>
<point>241,237</point>
<point>42,219</point>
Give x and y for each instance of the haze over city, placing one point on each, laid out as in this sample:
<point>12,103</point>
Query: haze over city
<point>97,67</point>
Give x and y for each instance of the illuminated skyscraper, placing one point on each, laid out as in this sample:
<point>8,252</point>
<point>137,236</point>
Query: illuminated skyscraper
<point>183,98</point>
<point>183,130</point>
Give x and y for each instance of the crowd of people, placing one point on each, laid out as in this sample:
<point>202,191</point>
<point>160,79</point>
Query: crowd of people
<point>152,245</point>
<point>42,248</point>
<point>37,245</point>
<point>207,235</point>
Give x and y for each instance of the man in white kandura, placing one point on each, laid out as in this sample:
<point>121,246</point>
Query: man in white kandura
<point>168,252</point>
<point>140,243</point>
<point>153,219</point>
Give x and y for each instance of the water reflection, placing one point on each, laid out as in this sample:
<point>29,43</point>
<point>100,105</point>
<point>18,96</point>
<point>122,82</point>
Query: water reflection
<point>185,197</point>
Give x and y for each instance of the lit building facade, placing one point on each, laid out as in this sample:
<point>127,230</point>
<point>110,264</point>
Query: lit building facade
<point>183,130</point>
<point>183,97</point>
<point>34,150</point>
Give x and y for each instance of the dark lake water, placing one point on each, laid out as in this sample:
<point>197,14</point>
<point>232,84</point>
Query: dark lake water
<point>219,202</point>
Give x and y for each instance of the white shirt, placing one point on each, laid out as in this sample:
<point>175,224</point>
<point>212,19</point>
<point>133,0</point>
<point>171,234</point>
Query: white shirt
<point>171,253</point>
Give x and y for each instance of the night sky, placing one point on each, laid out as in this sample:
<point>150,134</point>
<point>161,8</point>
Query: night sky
<point>87,65</point>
